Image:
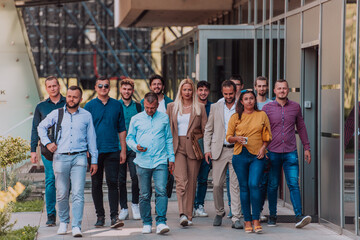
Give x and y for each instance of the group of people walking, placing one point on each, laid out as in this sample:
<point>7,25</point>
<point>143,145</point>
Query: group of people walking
<point>244,137</point>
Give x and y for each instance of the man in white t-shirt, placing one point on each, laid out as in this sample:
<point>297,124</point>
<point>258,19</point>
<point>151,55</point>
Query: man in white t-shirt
<point>157,85</point>
<point>261,88</point>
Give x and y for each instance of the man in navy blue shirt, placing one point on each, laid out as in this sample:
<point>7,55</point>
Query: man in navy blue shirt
<point>203,91</point>
<point>55,101</point>
<point>109,123</point>
<point>130,108</point>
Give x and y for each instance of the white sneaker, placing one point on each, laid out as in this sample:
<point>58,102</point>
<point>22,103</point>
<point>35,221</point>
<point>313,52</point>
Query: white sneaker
<point>124,214</point>
<point>146,229</point>
<point>190,223</point>
<point>263,218</point>
<point>162,228</point>
<point>76,232</point>
<point>184,221</point>
<point>135,211</point>
<point>200,212</point>
<point>62,229</point>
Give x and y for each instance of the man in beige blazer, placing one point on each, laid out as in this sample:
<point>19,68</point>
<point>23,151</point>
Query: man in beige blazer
<point>221,152</point>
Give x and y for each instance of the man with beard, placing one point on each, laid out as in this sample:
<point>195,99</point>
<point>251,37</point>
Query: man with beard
<point>220,152</point>
<point>261,88</point>
<point>76,137</point>
<point>202,91</point>
<point>157,85</point>
<point>284,115</point>
<point>130,108</point>
<point>108,118</point>
<point>55,100</point>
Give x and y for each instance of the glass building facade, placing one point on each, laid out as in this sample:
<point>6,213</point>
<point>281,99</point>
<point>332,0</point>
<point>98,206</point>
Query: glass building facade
<point>314,44</point>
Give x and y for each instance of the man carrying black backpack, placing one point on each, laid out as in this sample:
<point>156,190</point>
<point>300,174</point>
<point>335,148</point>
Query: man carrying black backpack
<point>55,101</point>
<point>130,108</point>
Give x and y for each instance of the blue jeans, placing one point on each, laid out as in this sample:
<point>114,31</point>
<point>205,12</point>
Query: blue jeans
<point>50,190</point>
<point>249,171</point>
<point>289,162</point>
<point>160,175</point>
<point>264,183</point>
<point>202,184</point>
<point>70,169</point>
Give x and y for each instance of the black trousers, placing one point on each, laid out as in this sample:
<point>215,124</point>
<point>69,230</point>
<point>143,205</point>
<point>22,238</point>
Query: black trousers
<point>130,156</point>
<point>110,162</point>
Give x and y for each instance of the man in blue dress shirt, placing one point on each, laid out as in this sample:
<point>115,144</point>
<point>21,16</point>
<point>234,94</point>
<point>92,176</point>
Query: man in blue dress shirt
<point>150,137</point>
<point>108,118</point>
<point>76,137</point>
<point>55,101</point>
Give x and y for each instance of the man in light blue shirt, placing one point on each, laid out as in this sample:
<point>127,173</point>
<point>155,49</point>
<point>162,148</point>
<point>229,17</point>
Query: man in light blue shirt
<point>150,137</point>
<point>76,137</point>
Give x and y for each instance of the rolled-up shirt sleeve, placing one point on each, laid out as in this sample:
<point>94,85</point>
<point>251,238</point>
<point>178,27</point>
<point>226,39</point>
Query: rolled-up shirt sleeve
<point>91,136</point>
<point>49,121</point>
<point>131,136</point>
<point>169,143</point>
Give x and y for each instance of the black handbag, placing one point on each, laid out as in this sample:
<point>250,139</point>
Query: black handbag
<point>170,184</point>
<point>52,135</point>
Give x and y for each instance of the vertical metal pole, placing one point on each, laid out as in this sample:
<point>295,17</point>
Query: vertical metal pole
<point>277,54</point>
<point>271,50</point>
<point>319,112</point>
<point>263,65</point>
<point>249,11</point>
<point>356,120</point>
<point>342,77</point>
<point>255,39</point>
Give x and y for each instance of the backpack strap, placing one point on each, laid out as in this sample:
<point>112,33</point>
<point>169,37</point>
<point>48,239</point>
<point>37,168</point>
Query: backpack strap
<point>138,107</point>
<point>58,125</point>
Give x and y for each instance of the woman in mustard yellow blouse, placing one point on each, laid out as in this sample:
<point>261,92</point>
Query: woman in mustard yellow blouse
<point>249,129</point>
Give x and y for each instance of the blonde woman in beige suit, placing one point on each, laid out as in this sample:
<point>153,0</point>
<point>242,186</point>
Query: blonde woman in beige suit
<point>186,116</point>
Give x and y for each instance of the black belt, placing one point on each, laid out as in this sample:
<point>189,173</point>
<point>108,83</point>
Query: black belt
<point>228,145</point>
<point>73,153</point>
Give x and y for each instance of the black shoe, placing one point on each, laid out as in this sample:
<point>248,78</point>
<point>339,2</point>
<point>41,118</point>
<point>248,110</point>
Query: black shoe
<point>51,221</point>
<point>272,221</point>
<point>100,222</point>
<point>302,221</point>
<point>115,222</point>
<point>238,224</point>
<point>218,220</point>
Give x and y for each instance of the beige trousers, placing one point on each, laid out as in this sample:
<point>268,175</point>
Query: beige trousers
<point>219,176</point>
<point>186,172</point>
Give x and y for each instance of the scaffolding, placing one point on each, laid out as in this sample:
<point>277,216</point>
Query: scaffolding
<point>79,40</point>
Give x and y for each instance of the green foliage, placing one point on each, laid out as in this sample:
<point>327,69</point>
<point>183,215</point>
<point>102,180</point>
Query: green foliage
<point>5,226</point>
<point>25,233</point>
<point>28,206</point>
<point>13,150</point>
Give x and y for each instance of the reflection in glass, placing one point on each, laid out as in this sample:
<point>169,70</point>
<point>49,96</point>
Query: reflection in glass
<point>293,4</point>
<point>279,7</point>
<point>349,102</point>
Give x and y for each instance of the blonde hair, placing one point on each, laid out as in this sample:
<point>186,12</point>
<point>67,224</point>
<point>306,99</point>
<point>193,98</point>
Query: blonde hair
<point>178,103</point>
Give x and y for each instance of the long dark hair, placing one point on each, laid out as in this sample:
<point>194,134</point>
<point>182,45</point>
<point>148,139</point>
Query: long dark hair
<point>240,106</point>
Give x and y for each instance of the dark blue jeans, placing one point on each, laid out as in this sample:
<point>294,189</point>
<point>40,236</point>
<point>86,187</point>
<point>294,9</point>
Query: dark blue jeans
<point>160,175</point>
<point>202,184</point>
<point>264,183</point>
<point>130,156</point>
<point>289,162</point>
<point>50,190</point>
<point>249,171</point>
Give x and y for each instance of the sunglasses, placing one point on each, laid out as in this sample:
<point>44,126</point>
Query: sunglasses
<point>103,85</point>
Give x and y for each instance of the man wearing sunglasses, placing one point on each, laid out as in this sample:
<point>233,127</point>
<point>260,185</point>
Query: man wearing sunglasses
<point>109,122</point>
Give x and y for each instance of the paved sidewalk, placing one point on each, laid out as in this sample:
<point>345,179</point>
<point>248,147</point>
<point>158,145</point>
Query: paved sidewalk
<point>202,228</point>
